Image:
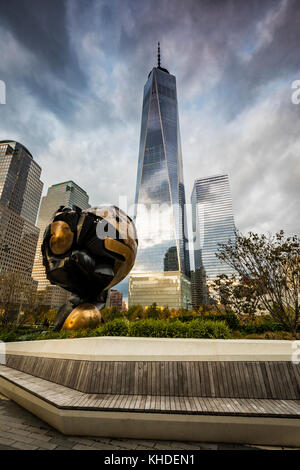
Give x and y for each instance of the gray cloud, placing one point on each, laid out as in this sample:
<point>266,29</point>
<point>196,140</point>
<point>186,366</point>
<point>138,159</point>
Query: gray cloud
<point>75,72</point>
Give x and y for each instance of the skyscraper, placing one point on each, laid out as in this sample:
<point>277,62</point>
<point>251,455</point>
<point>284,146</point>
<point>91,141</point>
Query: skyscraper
<point>162,266</point>
<point>213,223</point>
<point>67,194</point>
<point>20,194</point>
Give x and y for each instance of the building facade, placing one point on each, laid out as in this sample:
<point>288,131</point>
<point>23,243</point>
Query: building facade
<point>172,289</point>
<point>213,224</point>
<point>160,196</point>
<point>67,194</point>
<point>115,299</point>
<point>20,194</point>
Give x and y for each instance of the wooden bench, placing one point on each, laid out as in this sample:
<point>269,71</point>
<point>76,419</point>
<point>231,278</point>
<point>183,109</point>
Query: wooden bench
<point>221,379</point>
<point>239,401</point>
<point>66,398</point>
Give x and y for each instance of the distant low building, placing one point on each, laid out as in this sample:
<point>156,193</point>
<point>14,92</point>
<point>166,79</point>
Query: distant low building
<point>115,299</point>
<point>168,289</point>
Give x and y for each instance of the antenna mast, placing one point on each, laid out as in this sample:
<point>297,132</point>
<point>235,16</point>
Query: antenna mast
<point>158,55</point>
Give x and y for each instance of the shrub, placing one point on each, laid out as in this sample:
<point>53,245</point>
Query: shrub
<point>117,327</point>
<point>157,329</point>
<point>135,312</point>
<point>95,332</point>
<point>183,318</point>
<point>110,313</point>
<point>221,330</point>
<point>200,328</point>
<point>8,335</point>
<point>48,335</point>
<point>263,327</point>
<point>144,328</point>
<point>153,311</point>
<point>28,337</point>
<point>177,329</point>
<point>230,318</point>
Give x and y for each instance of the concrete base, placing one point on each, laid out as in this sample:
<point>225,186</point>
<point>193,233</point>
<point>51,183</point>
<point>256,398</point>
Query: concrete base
<point>244,430</point>
<point>154,349</point>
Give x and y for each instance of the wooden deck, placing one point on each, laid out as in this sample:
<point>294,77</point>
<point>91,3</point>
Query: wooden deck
<point>168,380</point>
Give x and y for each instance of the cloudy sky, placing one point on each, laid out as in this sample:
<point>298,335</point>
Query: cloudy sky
<point>75,70</point>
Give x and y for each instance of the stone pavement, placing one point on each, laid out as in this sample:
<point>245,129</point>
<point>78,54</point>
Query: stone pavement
<point>19,429</point>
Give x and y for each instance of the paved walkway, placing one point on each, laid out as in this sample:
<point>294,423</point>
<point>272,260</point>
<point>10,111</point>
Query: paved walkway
<point>19,429</point>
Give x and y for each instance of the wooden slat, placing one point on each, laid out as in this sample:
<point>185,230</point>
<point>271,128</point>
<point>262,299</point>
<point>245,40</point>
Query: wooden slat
<point>294,371</point>
<point>191,379</point>
<point>290,384</point>
<point>249,381</point>
<point>224,373</point>
<point>197,379</point>
<point>131,377</point>
<point>242,389</point>
<point>259,378</point>
<point>167,379</point>
<point>149,378</point>
<point>171,378</point>
<point>98,377</point>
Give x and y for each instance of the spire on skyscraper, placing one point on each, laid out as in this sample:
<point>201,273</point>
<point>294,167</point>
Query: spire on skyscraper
<point>158,54</point>
<point>158,60</point>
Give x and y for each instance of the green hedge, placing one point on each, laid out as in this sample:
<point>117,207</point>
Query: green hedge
<point>230,318</point>
<point>150,328</point>
<point>183,327</point>
<point>19,334</point>
<point>117,327</point>
<point>259,328</point>
<point>8,335</point>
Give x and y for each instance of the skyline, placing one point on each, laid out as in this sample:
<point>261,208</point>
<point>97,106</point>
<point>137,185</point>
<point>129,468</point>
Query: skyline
<point>84,104</point>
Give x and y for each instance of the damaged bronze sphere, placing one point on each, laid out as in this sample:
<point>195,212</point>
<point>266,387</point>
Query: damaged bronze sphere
<point>87,252</point>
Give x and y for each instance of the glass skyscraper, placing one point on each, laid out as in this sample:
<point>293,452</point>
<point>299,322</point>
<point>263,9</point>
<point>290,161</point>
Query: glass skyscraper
<point>160,198</point>
<point>20,194</point>
<point>67,194</point>
<point>213,223</point>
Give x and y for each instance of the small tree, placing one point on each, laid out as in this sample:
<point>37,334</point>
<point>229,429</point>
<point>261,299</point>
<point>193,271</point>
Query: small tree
<point>32,304</point>
<point>270,265</point>
<point>165,313</point>
<point>135,312</point>
<point>236,296</point>
<point>11,288</point>
<point>153,311</point>
<point>110,313</point>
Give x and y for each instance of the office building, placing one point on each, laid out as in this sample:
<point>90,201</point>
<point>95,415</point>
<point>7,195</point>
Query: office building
<point>162,258</point>
<point>20,194</point>
<point>213,224</point>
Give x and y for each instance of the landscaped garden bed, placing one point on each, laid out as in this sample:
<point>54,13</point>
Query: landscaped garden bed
<point>181,324</point>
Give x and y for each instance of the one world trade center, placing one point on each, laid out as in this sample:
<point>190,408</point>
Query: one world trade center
<point>161,271</point>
